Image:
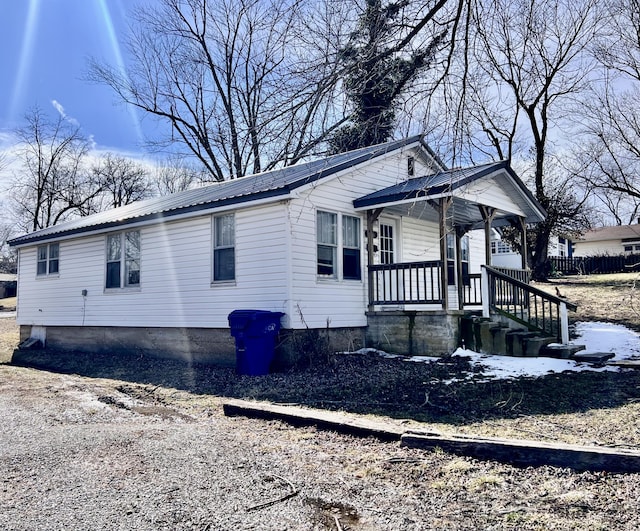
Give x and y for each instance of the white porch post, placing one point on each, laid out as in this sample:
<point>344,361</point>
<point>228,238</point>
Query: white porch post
<point>484,287</point>
<point>443,205</point>
<point>488,213</point>
<point>523,241</point>
<point>372,216</point>
<point>564,323</point>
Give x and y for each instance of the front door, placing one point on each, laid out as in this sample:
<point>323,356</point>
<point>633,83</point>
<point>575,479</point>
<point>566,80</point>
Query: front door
<point>387,242</point>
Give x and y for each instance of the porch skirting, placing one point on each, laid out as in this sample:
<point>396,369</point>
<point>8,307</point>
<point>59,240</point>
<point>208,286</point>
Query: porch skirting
<point>414,333</point>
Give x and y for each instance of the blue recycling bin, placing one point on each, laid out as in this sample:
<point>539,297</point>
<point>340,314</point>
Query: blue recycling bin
<point>255,333</point>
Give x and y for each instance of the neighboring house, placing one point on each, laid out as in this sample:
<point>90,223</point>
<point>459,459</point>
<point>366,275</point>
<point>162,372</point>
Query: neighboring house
<point>351,246</point>
<point>8,285</point>
<point>502,255</point>
<point>612,241</point>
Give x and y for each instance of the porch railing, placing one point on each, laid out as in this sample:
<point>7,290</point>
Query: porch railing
<point>405,283</point>
<point>472,290</point>
<point>472,284</point>
<point>525,304</point>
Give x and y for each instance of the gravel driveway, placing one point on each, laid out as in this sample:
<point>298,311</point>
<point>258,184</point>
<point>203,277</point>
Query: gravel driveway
<point>90,453</point>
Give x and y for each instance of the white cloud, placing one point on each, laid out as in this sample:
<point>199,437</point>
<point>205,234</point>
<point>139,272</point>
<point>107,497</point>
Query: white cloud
<point>58,107</point>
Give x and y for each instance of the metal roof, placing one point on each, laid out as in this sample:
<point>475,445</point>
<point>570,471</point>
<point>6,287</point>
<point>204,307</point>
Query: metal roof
<point>272,184</point>
<point>445,182</point>
<point>616,232</point>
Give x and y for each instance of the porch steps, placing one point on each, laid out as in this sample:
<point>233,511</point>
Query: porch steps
<point>491,337</point>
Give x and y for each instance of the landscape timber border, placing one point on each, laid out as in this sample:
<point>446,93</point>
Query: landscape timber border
<point>518,452</point>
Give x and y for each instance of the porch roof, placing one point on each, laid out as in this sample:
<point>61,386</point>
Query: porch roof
<point>461,185</point>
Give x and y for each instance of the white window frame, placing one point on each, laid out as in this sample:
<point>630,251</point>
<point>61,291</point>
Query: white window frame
<point>124,259</point>
<point>222,247</point>
<point>338,246</point>
<point>50,258</point>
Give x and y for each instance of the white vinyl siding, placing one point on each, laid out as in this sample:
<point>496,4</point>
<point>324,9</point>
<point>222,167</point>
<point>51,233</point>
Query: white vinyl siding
<point>176,289</point>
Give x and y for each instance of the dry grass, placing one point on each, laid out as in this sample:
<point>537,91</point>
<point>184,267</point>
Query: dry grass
<point>8,303</point>
<point>611,298</point>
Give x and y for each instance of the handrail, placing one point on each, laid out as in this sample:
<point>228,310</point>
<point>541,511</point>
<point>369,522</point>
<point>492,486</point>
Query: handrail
<point>525,304</point>
<point>531,289</point>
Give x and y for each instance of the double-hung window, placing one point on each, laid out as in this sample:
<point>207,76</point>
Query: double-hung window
<point>224,252</point>
<point>338,246</point>
<point>351,269</point>
<point>327,230</point>
<point>48,259</point>
<point>123,260</point>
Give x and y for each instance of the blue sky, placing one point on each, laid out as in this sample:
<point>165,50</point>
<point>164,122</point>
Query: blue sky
<point>46,46</point>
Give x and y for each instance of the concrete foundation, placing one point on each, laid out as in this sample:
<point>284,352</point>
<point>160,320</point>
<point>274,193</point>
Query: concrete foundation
<point>414,333</point>
<point>213,346</point>
<point>194,345</point>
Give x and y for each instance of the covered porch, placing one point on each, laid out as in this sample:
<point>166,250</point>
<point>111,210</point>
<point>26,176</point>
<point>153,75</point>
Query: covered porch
<point>455,204</point>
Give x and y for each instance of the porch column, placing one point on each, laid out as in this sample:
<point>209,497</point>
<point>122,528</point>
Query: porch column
<point>442,207</point>
<point>523,241</point>
<point>372,216</point>
<point>488,213</point>
<point>460,232</point>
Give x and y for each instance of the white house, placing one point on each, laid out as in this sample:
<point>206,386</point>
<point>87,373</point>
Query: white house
<point>613,241</point>
<point>352,245</point>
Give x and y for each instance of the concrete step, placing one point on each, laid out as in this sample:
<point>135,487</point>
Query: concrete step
<point>596,358</point>
<point>495,337</point>
<point>533,345</point>
<point>555,350</point>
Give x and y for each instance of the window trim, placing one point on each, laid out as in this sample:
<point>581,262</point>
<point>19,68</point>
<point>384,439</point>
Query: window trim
<point>122,262</point>
<point>48,260</point>
<point>339,248</point>
<point>215,247</point>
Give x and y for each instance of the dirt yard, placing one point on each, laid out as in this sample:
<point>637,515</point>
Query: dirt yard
<point>104,443</point>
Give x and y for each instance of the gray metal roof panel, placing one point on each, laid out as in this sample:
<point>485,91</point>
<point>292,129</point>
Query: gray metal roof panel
<point>246,189</point>
<point>428,184</point>
<point>447,181</point>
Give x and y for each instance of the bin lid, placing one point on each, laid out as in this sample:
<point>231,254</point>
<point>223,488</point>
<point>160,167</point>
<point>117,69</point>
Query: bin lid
<point>241,318</point>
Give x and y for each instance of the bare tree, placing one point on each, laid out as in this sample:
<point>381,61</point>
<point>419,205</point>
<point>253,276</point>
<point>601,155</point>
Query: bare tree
<point>121,181</point>
<point>231,80</point>
<point>52,183</point>
<point>175,175</point>
<point>610,156</point>
<point>523,64</point>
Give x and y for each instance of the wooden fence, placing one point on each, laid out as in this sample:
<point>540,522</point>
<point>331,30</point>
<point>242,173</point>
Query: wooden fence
<point>587,265</point>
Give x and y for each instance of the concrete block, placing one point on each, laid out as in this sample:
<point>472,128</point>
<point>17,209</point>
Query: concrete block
<point>555,350</point>
<point>533,345</point>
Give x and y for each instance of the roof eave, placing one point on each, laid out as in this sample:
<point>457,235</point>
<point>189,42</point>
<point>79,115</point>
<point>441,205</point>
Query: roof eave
<point>156,216</point>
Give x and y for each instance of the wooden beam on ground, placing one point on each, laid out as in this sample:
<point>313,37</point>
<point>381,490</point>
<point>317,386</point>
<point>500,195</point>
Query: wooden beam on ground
<point>330,420</point>
<point>513,451</point>
<point>525,453</point>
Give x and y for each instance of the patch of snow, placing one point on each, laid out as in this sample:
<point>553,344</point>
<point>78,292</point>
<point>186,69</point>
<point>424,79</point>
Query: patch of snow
<point>609,337</point>
<point>595,336</point>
